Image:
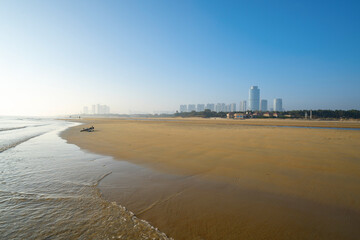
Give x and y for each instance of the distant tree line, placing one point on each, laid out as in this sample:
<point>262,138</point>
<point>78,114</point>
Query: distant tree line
<point>325,114</point>
<point>204,114</point>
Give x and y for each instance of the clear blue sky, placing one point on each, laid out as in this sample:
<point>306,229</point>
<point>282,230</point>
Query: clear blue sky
<point>58,56</point>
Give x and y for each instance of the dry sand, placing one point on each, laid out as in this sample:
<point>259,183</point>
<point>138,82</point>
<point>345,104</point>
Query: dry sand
<point>234,179</point>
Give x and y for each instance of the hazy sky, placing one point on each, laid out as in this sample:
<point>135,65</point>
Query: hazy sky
<point>58,56</point>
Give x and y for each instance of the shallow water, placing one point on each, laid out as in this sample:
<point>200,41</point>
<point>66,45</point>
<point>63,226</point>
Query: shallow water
<point>48,188</point>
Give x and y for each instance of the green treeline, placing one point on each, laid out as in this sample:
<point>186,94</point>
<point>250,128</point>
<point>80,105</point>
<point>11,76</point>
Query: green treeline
<point>324,114</point>
<point>205,114</point>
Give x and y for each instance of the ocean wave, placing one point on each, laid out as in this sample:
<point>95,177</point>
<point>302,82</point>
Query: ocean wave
<point>49,190</point>
<point>21,127</point>
<point>12,128</point>
<point>14,144</point>
<point>96,218</point>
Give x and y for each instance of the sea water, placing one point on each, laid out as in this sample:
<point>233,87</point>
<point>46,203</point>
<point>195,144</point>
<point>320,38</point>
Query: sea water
<point>48,188</point>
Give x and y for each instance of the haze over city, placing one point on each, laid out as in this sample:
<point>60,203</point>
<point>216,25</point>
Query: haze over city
<point>146,56</point>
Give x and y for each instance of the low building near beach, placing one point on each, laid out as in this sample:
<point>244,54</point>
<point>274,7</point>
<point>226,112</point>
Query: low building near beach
<point>230,115</point>
<point>239,115</point>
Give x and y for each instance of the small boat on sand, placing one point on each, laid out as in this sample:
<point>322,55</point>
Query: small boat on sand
<point>90,129</point>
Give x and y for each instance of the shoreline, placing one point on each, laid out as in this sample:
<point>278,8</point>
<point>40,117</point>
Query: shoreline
<point>118,167</point>
<point>261,122</point>
<point>219,175</point>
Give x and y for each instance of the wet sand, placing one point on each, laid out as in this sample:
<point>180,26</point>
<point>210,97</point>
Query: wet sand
<point>229,179</point>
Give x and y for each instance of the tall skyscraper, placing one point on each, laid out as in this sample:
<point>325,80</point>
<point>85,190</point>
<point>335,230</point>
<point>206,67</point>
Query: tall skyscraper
<point>263,105</point>
<point>223,107</point>
<point>218,107</point>
<point>100,109</point>
<point>227,108</point>
<point>254,98</point>
<point>200,107</point>
<point>191,107</point>
<point>233,107</point>
<point>183,108</point>
<point>210,106</point>
<point>278,105</point>
<point>243,106</point>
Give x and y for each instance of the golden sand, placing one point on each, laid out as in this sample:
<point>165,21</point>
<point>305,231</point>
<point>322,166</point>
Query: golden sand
<point>237,179</point>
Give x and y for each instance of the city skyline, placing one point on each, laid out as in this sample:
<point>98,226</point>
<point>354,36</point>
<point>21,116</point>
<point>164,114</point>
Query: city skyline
<point>254,103</point>
<point>96,109</point>
<point>137,56</point>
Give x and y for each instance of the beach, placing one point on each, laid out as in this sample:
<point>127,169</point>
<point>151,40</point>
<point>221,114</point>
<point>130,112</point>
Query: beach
<point>49,189</point>
<point>233,179</point>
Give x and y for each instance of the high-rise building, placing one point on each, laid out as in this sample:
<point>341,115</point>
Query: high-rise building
<point>100,109</point>
<point>200,107</point>
<point>86,110</point>
<point>218,107</point>
<point>263,105</point>
<point>183,108</point>
<point>191,107</point>
<point>227,108</point>
<point>243,106</point>
<point>93,110</point>
<point>210,106</point>
<point>278,105</point>
<point>223,107</point>
<point>254,98</point>
<point>233,107</point>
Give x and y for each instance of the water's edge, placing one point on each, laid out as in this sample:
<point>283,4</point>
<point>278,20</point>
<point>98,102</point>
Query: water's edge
<point>99,192</point>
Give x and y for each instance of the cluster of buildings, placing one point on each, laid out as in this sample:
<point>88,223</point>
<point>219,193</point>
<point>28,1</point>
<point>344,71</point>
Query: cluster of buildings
<point>97,109</point>
<point>254,104</point>
<point>219,107</point>
<point>257,104</point>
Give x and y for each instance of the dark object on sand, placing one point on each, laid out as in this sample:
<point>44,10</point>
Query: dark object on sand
<point>90,129</point>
